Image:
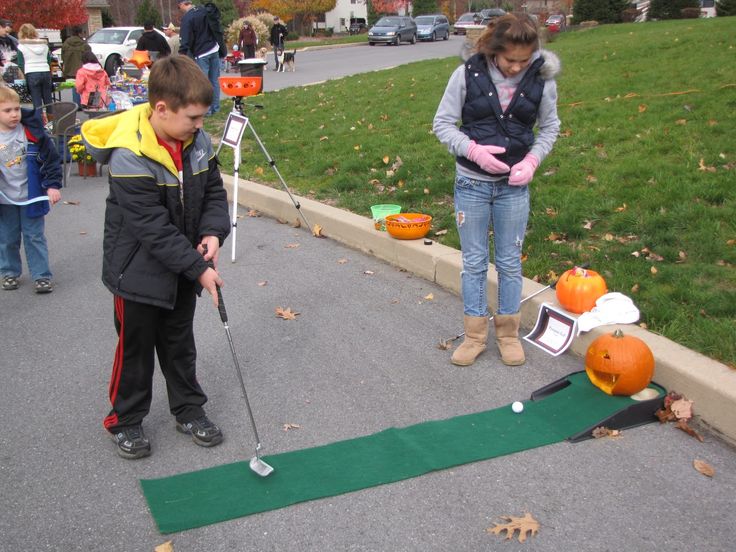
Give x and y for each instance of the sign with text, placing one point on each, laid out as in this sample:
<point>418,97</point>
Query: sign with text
<point>554,331</point>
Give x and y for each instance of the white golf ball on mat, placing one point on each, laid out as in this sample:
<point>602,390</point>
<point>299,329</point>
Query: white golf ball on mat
<point>517,406</point>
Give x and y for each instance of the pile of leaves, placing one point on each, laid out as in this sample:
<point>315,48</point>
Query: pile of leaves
<point>679,410</point>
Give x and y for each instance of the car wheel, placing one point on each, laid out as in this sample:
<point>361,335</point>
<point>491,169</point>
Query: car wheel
<point>397,42</point>
<point>447,35</point>
<point>434,37</point>
<point>371,44</point>
<point>112,64</point>
<point>413,39</point>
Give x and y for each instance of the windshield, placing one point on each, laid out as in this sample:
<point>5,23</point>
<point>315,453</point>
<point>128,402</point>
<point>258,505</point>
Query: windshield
<point>388,22</point>
<point>108,36</point>
<point>423,20</point>
<point>467,17</point>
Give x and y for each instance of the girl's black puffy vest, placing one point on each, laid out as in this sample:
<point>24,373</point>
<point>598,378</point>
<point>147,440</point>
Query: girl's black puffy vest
<point>484,121</point>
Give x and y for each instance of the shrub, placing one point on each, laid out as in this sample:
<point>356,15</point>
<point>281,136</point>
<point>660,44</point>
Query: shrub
<point>629,15</point>
<point>725,8</point>
<point>671,9</point>
<point>690,13</point>
<point>262,30</point>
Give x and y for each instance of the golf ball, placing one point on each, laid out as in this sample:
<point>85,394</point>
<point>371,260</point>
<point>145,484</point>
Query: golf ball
<point>517,406</point>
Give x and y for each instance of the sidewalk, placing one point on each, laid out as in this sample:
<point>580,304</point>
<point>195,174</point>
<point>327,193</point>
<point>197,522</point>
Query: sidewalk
<point>711,384</point>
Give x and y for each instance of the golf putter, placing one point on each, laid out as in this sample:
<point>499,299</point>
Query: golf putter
<point>256,463</point>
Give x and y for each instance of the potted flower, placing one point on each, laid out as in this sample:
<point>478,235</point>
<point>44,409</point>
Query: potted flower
<point>78,151</point>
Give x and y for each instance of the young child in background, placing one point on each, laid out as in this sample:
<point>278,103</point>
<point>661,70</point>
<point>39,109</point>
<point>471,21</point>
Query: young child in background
<point>498,95</point>
<point>92,83</point>
<point>30,178</point>
<point>166,217</point>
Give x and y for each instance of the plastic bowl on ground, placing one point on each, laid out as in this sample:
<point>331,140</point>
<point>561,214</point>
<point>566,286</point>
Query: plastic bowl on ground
<point>408,226</point>
<point>380,212</point>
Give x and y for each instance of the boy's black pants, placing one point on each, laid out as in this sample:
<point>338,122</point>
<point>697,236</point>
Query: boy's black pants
<point>145,329</point>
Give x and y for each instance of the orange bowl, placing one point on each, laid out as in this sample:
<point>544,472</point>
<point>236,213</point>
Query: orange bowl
<point>241,86</point>
<point>408,226</point>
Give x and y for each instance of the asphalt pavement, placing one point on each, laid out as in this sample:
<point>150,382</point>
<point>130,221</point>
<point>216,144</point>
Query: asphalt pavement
<point>360,357</point>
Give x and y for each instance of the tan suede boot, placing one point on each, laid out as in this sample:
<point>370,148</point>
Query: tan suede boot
<point>476,335</point>
<point>507,338</point>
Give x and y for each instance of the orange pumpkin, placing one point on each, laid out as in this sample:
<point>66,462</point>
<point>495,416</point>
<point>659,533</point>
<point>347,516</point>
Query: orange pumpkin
<point>619,364</point>
<point>578,289</point>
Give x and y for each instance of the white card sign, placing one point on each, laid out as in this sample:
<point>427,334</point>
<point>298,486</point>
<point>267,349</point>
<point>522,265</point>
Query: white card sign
<point>554,331</point>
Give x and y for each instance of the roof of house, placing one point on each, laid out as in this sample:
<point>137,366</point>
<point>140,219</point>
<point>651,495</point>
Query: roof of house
<point>98,4</point>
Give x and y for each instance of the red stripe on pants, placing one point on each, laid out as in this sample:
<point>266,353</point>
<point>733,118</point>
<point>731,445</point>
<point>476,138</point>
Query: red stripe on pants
<point>117,364</point>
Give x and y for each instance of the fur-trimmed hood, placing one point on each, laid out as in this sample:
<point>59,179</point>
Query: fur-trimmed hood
<point>550,70</point>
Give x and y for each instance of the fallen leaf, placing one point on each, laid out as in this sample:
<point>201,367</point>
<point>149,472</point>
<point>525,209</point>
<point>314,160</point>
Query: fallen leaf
<point>705,168</point>
<point>368,272</point>
<point>386,159</point>
<point>168,546</point>
<point>440,232</point>
<point>682,409</point>
<point>621,209</point>
<point>317,231</point>
<point>259,171</point>
<point>603,431</point>
<point>681,122</point>
<point>653,270</point>
<point>389,173</point>
<point>253,213</point>
<point>291,246</point>
<point>286,314</point>
<point>296,224</point>
<point>642,108</point>
<point>682,425</point>
<point>588,225</point>
<point>704,468</point>
<point>263,283</point>
<point>356,147</point>
<point>426,191</point>
<point>681,257</point>
<point>635,253</point>
<point>71,203</point>
<point>323,138</point>
<point>429,297</point>
<point>551,212</point>
<point>526,526</point>
<point>591,179</point>
<point>288,426</point>
<point>342,261</point>
<point>635,288</point>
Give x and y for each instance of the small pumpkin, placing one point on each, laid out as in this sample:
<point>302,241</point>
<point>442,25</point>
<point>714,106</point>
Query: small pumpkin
<point>619,364</point>
<point>578,289</point>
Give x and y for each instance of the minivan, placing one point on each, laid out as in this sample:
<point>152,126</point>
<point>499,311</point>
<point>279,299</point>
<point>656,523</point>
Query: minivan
<point>393,29</point>
<point>432,27</point>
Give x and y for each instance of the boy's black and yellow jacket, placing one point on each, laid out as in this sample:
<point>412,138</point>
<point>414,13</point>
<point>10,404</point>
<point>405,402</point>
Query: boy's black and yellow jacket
<point>153,222</point>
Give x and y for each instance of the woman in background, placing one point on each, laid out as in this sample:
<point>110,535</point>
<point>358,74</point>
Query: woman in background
<point>34,59</point>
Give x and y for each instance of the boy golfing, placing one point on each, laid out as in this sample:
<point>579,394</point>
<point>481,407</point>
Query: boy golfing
<point>165,220</point>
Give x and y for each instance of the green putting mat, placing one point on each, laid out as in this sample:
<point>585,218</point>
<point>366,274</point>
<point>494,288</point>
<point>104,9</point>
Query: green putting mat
<point>226,492</point>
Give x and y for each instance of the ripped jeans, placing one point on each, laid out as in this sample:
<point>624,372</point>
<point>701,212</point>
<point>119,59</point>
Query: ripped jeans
<point>480,205</point>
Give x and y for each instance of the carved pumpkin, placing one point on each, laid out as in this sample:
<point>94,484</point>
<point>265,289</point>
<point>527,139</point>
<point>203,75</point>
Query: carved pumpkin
<point>578,289</point>
<point>619,364</point>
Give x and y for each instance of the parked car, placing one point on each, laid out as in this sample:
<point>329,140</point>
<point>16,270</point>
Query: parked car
<point>432,27</point>
<point>112,45</point>
<point>490,14</point>
<point>559,21</point>
<point>465,20</point>
<point>393,29</point>
<point>357,25</point>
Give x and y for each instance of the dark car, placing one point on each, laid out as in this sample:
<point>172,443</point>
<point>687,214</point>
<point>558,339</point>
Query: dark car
<point>432,27</point>
<point>393,29</point>
<point>357,25</point>
<point>490,14</point>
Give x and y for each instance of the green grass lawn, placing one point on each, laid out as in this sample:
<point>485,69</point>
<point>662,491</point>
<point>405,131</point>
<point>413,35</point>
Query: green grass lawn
<point>641,183</point>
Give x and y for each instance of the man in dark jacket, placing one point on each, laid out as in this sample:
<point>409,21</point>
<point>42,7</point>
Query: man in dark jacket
<point>277,38</point>
<point>153,41</point>
<point>197,41</point>
<point>165,220</point>
<point>71,56</point>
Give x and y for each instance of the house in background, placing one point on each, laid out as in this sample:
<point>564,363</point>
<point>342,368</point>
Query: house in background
<point>94,10</point>
<point>338,19</point>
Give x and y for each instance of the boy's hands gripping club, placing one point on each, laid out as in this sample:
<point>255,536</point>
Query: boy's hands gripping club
<point>210,280</point>
<point>484,157</point>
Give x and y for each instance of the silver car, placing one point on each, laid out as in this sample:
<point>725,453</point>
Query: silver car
<point>393,29</point>
<point>432,27</point>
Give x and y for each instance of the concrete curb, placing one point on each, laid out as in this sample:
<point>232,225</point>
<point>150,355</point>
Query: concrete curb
<point>711,384</point>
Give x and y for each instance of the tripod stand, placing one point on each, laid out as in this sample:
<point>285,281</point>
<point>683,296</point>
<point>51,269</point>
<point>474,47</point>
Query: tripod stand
<point>238,112</point>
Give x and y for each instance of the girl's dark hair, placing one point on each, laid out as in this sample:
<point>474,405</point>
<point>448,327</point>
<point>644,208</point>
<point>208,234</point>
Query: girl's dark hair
<point>89,57</point>
<point>509,30</point>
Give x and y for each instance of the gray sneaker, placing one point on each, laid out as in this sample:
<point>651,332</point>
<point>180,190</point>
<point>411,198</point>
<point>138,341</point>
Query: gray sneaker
<point>132,442</point>
<point>204,433</point>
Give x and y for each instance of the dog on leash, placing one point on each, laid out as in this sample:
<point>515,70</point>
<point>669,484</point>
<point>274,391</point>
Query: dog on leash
<point>285,59</point>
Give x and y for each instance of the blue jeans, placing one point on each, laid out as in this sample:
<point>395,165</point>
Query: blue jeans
<point>39,85</point>
<point>14,223</point>
<point>479,206</point>
<point>210,65</point>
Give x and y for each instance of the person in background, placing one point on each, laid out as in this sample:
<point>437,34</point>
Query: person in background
<point>199,42</point>
<point>247,41</point>
<point>498,95</point>
<point>153,41</point>
<point>92,83</point>
<point>34,59</point>
<point>277,38</point>
<point>165,219</point>
<point>172,37</point>
<point>30,179</point>
<point>7,40</point>
<point>71,55</point>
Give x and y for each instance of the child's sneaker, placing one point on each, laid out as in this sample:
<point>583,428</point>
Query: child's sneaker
<point>132,442</point>
<point>43,285</point>
<point>204,433</point>
<point>10,282</point>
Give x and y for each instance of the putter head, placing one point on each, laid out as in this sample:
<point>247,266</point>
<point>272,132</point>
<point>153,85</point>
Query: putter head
<point>260,467</point>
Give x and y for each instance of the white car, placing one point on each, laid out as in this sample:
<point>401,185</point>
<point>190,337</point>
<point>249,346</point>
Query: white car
<point>112,45</point>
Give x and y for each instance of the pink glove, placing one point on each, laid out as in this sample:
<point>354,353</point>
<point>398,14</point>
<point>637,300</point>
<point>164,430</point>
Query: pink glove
<point>483,157</point>
<point>523,172</point>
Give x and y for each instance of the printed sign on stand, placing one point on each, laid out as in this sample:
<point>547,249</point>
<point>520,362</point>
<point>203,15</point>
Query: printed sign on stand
<point>554,331</point>
<point>234,128</point>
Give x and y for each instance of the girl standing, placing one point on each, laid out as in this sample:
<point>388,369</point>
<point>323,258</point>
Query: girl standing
<point>498,95</point>
<point>92,83</point>
<point>34,60</point>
